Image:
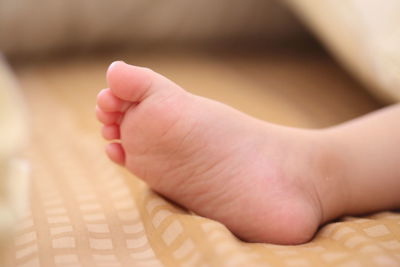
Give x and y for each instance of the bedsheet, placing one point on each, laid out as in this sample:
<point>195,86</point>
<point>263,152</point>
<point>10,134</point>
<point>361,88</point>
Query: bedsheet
<point>85,211</point>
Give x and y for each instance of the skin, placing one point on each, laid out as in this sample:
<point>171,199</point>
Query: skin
<point>266,183</point>
<point>371,165</point>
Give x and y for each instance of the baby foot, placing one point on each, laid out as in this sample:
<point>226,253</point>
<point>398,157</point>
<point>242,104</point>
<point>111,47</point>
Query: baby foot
<point>266,183</point>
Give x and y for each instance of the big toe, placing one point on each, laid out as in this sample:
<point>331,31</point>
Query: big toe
<point>132,83</point>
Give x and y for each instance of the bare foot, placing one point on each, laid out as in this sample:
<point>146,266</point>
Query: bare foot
<point>266,183</point>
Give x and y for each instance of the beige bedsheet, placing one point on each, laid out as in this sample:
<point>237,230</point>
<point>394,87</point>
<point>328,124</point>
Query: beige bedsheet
<point>84,211</point>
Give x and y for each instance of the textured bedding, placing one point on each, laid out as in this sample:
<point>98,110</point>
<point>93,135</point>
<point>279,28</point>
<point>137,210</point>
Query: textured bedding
<point>84,211</point>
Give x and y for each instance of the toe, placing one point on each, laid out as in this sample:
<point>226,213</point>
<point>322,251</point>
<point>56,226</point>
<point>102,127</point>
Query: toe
<point>128,82</point>
<point>108,118</point>
<point>134,84</point>
<point>116,153</point>
<point>108,102</point>
<point>110,132</point>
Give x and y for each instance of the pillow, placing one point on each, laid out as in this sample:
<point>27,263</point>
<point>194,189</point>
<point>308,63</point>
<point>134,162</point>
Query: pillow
<point>364,35</point>
<point>13,138</point>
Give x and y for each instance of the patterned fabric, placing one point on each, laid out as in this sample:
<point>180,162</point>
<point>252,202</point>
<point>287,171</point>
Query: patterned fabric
<point>84,211</point>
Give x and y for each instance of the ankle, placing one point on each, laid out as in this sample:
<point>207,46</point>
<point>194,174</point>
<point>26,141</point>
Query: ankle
<point>331,183</point>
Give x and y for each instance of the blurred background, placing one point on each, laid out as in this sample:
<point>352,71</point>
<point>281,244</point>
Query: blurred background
<point>263,57</point>
<point>46,27</point>
<point>262,43</point>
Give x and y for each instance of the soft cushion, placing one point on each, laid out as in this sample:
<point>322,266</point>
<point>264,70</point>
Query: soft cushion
<point>364,35</point>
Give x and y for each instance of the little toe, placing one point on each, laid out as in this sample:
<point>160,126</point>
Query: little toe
<point>108,102</point>
<point>110,132</point>
<point>116,153</point>
<point>108,118</point>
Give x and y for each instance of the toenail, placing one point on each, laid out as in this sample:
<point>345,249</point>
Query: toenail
<point>115,63</point>
<point>101,92</point>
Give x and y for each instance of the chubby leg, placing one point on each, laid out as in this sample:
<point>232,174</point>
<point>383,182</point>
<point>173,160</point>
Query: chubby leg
<point>368,155</point>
